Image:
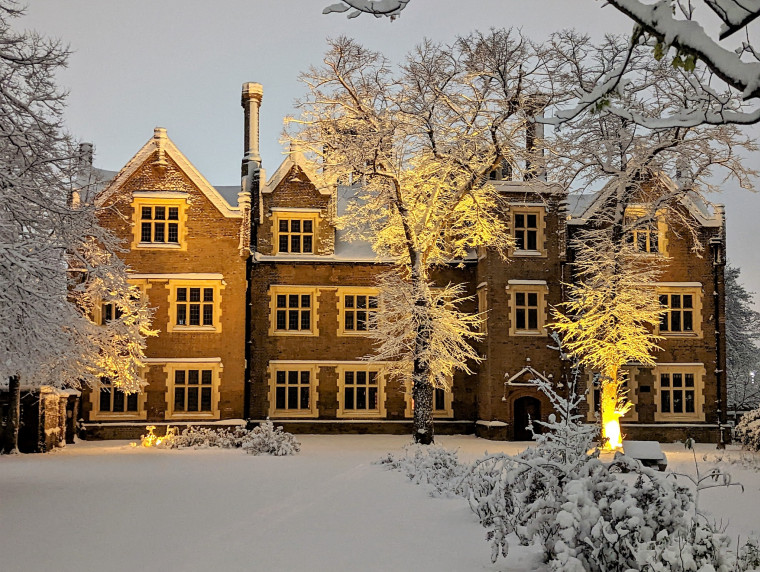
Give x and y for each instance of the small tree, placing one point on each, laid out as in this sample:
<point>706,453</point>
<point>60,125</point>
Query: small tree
<point>418,145</point>
<point>742,352</point>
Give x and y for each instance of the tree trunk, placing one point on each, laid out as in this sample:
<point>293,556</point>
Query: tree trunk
<point>611,433</point>
<point>422,386</point>
<point>14,414</point>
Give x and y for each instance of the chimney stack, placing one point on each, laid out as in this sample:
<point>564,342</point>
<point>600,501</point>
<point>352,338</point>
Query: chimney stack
<point>251,101</point>
<point>85,155</point>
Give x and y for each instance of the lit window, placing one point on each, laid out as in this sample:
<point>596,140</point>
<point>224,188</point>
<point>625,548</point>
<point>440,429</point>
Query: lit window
<point>293,392</point>
<point>360,392</point>
<point>528,231</point>
<point>193,390</point>
<point>194,305</point>
<point>293,311</point>
<point>681,315</point>
<point>527,310</point>
<point>679,389</point>
<point>295,234</point>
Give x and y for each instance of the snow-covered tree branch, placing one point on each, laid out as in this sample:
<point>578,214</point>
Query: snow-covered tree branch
<point>414,149</point>
<point>742,351</point>
<point>56,262</point>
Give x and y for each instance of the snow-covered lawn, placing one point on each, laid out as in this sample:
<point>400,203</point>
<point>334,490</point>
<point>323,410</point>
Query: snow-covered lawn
<point>107,506</point>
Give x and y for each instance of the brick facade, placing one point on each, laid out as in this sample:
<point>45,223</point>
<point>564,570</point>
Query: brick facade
<point>293,290</point>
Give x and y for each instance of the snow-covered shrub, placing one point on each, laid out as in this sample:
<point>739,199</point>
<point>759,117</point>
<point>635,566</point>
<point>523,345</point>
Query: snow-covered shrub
<point>266,439</point>
<point>747,431</point>
<point>428,464</point>
<point>749,555</point>
<point>262,440</point>
<point>202,437</point>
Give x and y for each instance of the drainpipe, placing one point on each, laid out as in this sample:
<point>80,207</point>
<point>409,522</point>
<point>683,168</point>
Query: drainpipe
<point>717,245</point>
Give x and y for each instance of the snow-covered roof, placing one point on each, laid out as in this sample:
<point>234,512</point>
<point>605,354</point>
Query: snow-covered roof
<point>229,192</point>
<point>582,206</point>
<point>91,181</point>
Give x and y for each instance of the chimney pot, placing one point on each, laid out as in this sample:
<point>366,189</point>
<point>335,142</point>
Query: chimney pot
<point>250,99</point>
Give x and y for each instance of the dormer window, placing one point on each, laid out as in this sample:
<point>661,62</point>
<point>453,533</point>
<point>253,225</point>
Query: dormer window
<point>294,230</point>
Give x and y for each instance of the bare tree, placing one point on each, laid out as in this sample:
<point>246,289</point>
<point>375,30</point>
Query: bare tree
<point>727,89</point>
<point>54,258</point>
<point>742,351</point>
<point>419,144</point>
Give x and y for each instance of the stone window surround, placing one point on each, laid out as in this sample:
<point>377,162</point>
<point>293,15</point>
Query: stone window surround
<point>166,199</point>
<point>217,284</point>
<point>173,364</point>
<point>352,291</point>
<point>528,286</point>
<point>539,209</point>
<point>276,289</point>
<point>698,369</point>
<point>97,415</point>
<point>300,213</point>
<point>696,290</point>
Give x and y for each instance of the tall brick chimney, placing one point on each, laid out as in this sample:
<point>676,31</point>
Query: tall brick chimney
<point>251,101</point>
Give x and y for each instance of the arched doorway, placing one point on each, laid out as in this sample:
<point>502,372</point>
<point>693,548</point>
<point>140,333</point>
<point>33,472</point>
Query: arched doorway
<point>527,410</point>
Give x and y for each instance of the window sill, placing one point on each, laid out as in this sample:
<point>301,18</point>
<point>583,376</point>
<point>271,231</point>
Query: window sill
<point>528,334</point>
<point>529,253</point>
<point>110,416</point>
<point>160,245</point>
<point>680,335</point>
<point>181,416</point>
<point>350,334</point>
<point>301,333</point>
<point>676,418</point>
<point>178,328</point>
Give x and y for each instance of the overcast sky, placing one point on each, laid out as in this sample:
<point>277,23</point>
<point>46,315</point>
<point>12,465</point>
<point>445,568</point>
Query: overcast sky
<point>180,64</point>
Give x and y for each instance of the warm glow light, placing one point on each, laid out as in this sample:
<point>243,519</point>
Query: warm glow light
<point>613,434</point>
<point>150,440</point>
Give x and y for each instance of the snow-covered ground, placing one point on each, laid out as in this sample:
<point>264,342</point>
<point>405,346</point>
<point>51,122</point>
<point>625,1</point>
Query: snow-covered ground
<point>108,506</point>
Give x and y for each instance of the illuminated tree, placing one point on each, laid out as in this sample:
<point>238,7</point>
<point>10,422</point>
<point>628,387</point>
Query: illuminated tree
<point>648,176</point>
<point>414,149</point>
<point>56,263</point>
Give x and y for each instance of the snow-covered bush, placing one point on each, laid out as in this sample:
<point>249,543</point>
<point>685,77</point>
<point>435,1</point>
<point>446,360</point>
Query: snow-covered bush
<point>747,431</point>
<point>428,464</point>
<point>266,439</point>
<point>262,440</point>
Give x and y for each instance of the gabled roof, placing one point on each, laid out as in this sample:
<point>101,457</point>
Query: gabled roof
<point>161,143</point>
<point>294,159</point>
<point>585,206</point>
<point>527,369</point>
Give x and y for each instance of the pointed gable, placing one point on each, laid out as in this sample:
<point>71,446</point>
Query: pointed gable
<point>163,168</point>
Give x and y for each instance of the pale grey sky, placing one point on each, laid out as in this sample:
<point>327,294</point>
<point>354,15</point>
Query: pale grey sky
<point>180,64</point>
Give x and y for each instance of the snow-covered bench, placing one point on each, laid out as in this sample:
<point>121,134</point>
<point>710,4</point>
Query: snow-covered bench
<point>648,453</point>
